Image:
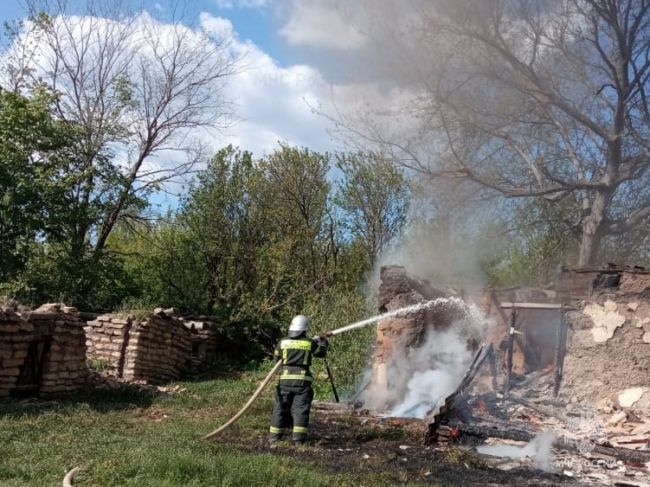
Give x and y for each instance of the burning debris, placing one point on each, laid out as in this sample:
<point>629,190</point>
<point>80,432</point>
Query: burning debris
<point>563,377</point>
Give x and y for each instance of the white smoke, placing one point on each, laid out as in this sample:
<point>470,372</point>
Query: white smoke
<point>435,371</point>
<point>539,450</point>
<point>419,379</point>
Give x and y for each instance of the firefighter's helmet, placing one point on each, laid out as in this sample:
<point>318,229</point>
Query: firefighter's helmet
<point>299,324</point>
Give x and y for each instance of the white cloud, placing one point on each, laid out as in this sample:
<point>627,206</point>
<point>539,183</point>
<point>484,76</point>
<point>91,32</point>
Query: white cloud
<point>273,103</point>
<point>229,4</point>
<point>217,27</point>
<point>321,25</point>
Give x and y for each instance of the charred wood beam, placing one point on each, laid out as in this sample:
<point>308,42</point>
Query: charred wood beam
<point>560,352</point>
<point>452,400</point>
<point>625,454</point>
<point>629,270</point>
<point>509,351</point>
<point>495,430</point>
<point>492,361</point>
<point>527,305</point>
<point>545,410</point>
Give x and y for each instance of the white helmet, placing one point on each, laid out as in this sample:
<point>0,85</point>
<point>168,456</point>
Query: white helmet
<point>299,324</point>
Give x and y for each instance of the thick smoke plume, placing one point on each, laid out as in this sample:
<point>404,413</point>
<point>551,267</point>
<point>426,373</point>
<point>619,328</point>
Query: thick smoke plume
<point>419,379</point>
<point>431,372</point>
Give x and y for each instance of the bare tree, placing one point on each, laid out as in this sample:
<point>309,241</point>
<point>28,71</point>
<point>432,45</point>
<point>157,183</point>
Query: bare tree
<point>135,88</point>
<point>533,99</point>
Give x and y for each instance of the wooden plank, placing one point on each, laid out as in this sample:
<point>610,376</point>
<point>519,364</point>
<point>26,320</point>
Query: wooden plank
<point>560,352</point>
<point>511,342</point>
<point>615,270</point>
<point>523,305</point>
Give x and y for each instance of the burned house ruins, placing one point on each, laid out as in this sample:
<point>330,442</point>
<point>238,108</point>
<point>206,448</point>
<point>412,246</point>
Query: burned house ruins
<point>401,341</point>
<point>573,358</point>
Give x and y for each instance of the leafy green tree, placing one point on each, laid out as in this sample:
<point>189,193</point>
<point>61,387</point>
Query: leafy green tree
<point>374,196</point>
<point>538,240</point>
<point>541,100</point>
<point>295,197</point>
<point>33,151</point>
<point>165,263</point>
<point>223,217</point>
<point>129,97</point>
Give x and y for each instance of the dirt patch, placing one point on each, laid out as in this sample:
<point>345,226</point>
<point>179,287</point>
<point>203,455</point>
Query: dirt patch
<point>360,442</point>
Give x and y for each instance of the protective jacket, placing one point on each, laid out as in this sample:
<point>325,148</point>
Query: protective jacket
<point>294,394</point>
<point>296,355</point>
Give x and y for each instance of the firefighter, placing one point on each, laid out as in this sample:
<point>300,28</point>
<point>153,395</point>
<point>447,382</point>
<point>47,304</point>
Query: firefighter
<point>293,394</point>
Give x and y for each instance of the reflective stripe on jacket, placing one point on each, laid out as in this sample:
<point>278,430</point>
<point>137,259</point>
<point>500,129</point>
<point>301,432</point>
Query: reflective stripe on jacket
<point>296,355</point>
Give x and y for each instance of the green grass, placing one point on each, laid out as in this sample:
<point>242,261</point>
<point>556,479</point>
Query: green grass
<point>128,437</point>
<point>99,365</point>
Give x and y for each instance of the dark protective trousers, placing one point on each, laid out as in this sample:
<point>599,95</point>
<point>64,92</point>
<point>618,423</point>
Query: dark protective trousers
<point>291,411</point>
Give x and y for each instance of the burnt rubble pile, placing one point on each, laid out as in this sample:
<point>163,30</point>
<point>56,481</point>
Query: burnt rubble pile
<point>587,339</point>
<point>574,360</point>
<point>41,352</point>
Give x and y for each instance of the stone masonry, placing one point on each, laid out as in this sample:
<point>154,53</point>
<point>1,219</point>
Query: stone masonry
<point>150,350</point>
<point>42,352</point>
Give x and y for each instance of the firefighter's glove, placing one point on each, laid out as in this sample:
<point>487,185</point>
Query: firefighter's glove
<point>320,338</point>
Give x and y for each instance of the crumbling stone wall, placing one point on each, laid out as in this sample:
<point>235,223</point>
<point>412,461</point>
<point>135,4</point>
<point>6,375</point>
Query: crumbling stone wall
<point>16,335</point>
<point>205,340</point>
<point>150,350</point>
<point>106,338</point>
<point>397,290</point>
<point>41,352</point>
<point>608,348</point>
<point>398,335</point>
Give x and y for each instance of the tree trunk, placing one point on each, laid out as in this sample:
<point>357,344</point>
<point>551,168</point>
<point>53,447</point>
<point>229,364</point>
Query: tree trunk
<point>588,249</point>
<point>592,228</point>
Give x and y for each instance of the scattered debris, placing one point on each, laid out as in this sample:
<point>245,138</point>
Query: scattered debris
<point>573,360</point>
<point>629,397</point>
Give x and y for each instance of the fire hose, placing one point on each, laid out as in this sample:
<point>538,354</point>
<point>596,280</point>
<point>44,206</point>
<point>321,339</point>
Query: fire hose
<point>67,480</point>
<point>338,331</point>
<point>255,395</point>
